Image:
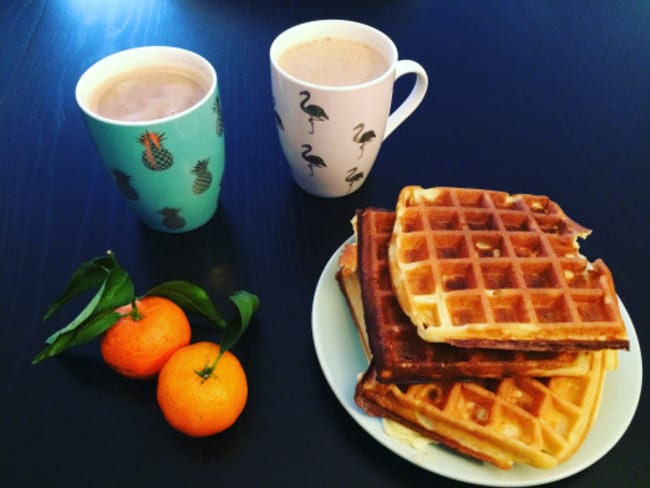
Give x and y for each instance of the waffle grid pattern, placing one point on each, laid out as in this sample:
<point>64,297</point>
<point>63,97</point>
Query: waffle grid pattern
<point>534,421</point>
<point>401,356</point>
<point>475,267</point>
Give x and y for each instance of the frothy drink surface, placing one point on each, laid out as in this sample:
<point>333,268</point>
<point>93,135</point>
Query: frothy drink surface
<point>333,62</point>
<point>147,94</point>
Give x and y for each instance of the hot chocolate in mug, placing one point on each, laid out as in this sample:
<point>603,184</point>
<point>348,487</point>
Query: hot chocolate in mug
<point>332,83</point>
<point>154,113</point>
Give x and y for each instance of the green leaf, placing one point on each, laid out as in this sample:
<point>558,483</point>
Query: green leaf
<point>114,289</point>
<point>89,275</point>
<point>95,326</point>
<point>191,298</point>
<point>118,291</point>
<point>90,329</point>
<point>246,304</point>
<point>83,315</point>
<point>59,345</point>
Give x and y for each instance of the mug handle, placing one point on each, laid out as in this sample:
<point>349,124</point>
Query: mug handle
<point>405,66</point>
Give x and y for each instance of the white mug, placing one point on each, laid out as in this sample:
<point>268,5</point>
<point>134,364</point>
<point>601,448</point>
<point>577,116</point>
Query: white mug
<point>331,133</point>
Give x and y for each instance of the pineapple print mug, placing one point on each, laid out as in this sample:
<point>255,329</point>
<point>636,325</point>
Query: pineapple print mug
<point>332,84</point>
<point>154,114</point>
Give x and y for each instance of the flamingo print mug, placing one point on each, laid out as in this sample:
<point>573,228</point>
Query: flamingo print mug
<point>332,84</point>
<point>154,113</point>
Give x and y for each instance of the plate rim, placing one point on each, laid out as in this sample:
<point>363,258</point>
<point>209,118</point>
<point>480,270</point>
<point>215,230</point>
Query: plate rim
<point>372,425</point>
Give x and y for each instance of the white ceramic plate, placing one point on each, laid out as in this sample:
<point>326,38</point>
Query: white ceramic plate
<point>341,357</point>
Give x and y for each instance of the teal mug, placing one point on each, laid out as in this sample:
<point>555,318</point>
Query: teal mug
<point>155,116</point>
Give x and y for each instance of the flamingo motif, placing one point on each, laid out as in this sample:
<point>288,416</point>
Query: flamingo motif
<point>364,138</point>
<point>353,176</point>
<point>278,120</point>
<point>315,112</point>
<point>312,159</point>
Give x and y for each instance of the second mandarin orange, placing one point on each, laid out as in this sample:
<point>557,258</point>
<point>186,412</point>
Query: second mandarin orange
<point>197,397</point>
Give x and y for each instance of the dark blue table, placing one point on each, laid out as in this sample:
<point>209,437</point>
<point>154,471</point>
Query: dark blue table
<point>534,97</point>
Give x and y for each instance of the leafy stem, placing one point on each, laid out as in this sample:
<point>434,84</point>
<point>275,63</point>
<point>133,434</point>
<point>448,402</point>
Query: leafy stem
<point>113,289</point>
<point>134,312</point>
<point>209,368</point>
<point>246,304</point>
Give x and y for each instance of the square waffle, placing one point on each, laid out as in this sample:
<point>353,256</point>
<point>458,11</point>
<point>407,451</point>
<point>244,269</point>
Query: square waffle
<point>347,277</point>
<point>478,268</point>
<point>388,336</point>
<point>540,422</point>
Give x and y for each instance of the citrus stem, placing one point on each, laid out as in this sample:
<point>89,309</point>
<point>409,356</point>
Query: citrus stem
<point>135,313</point>
<point>208,369</point>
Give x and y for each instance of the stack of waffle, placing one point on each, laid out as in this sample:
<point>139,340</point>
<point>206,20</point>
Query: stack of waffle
<point>485,328</point>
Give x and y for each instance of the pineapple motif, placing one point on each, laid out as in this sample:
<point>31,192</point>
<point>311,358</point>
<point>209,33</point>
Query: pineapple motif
<point>203,178</point>
<point>123,182</point>
<point>172,219</point>
<point>216,108</point>
<point>155,156</point>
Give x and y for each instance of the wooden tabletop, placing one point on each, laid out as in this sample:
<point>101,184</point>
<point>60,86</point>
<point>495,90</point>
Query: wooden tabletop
<point>548,98</point>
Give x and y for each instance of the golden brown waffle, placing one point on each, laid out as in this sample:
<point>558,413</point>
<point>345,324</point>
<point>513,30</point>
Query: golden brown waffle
<point>348,280</point>
<point>477,268</point>
<point>540,422</point>
<point>400,356</point>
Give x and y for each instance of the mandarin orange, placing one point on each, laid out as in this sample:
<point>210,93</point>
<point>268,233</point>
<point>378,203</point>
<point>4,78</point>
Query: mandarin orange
<point>197,397</point>
<point>140,342</point>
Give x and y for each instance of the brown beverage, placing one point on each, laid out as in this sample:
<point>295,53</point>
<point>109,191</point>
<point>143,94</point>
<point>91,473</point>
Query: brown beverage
<point>148,93</point>
<point>333,62</point>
